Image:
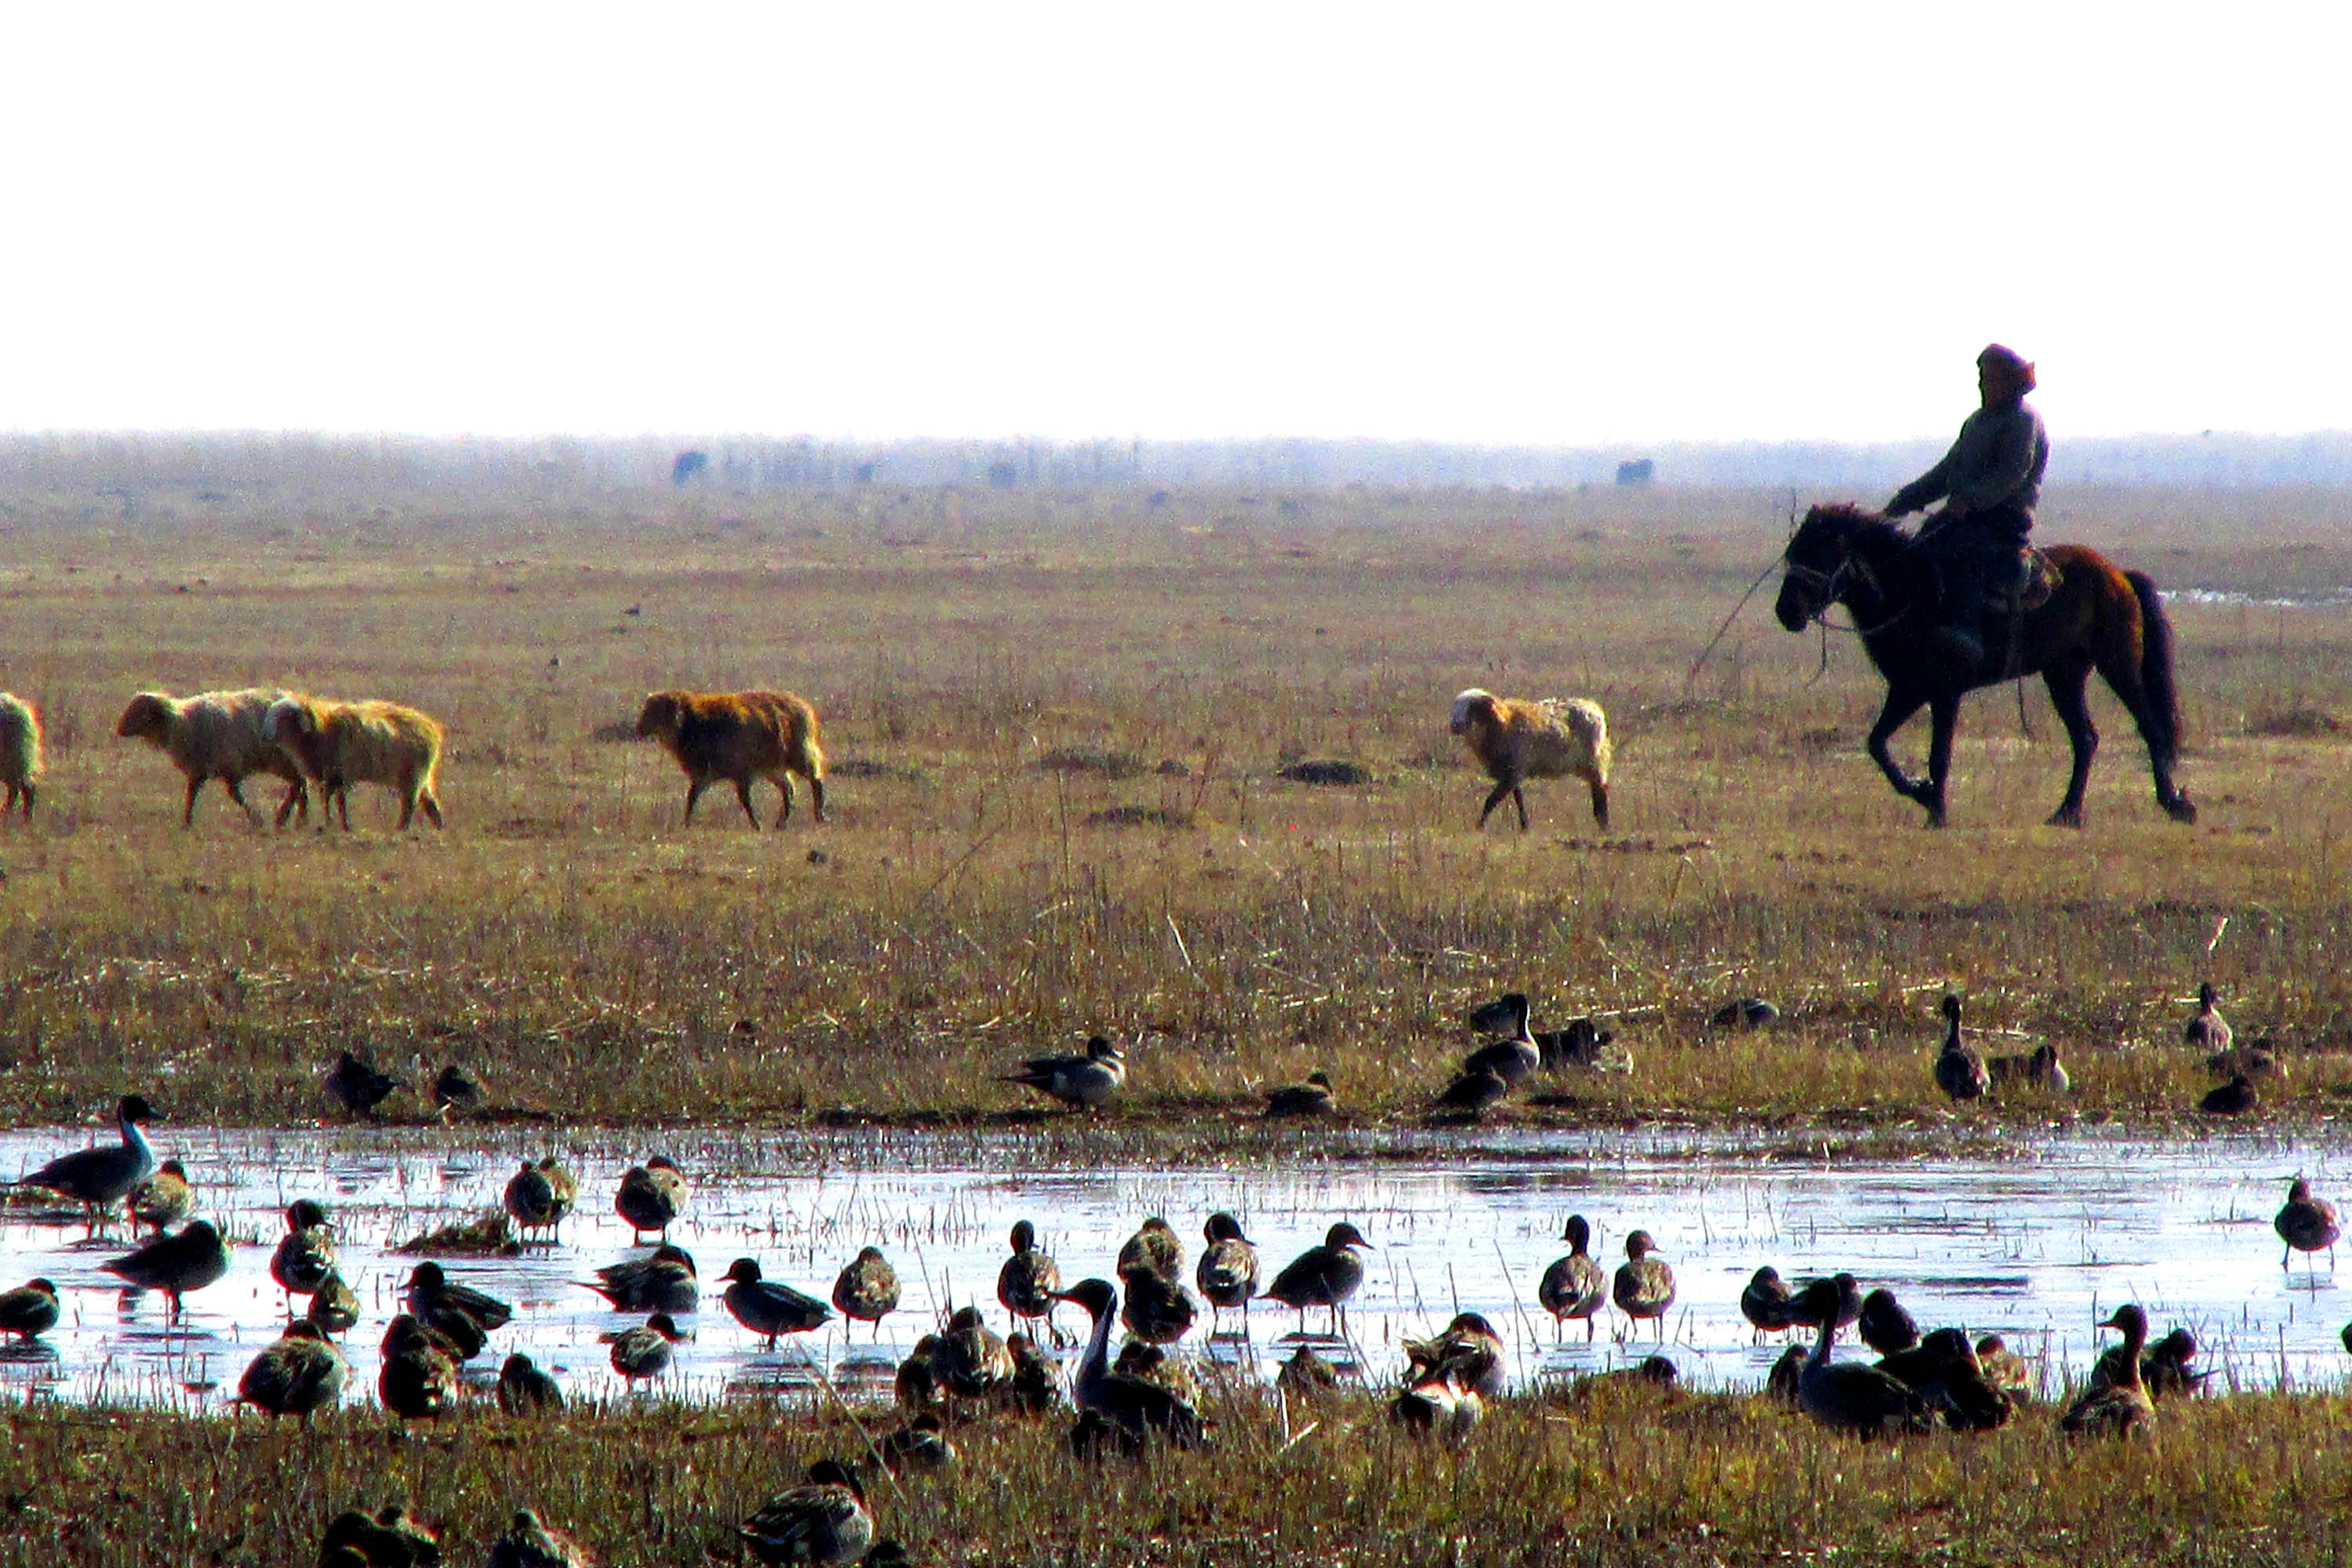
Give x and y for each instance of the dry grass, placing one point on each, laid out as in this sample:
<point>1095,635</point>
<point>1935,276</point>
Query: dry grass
<point>1056,722</point>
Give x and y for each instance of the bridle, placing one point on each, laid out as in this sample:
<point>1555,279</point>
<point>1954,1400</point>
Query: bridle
<point>1824,587</point>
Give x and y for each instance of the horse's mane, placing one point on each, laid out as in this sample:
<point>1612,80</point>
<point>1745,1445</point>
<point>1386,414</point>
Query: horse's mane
<point>1847,517</point>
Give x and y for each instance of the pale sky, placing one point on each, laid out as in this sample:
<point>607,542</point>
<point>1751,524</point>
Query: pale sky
<point>1563,223</point>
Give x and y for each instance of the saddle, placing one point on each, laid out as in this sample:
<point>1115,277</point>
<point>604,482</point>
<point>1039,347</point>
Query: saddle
<point>2039,577</point>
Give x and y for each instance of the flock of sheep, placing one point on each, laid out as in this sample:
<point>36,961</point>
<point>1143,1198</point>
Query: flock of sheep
<point>737,737</point>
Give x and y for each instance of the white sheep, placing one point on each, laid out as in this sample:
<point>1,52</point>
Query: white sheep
<point>344,743</point>
<point>20,750</point>
<point>217,736</point>
<point>1548,739</point>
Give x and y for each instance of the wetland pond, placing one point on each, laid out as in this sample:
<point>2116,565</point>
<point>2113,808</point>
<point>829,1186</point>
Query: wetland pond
<point>2034,1242</point>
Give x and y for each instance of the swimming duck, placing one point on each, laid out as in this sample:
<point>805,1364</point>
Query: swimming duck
<point>1886,1326</point>
<point>456,1092</point>
<point>821,1522</point>
<point>2124,1408</point>
<point>1848,1395</point>
<point>525,1390</point>
<point>920,1444</point>
<point>1474,1092</point>
<point>2206,1029</point>
<point>663,1282</point>
<point>651,1195</point>
<point>969,1362</point>
<point>1133,1410</point>
<point>430,1291</point>
<point>1036,1384</point>
<point>418,1380</point>
<point>164,1199</point>
<point>1765,1303</point>
<point>540,1196</point>
<point>300,1373</point>
<point>1573,1287</point>
<point>1154,1245</point>
<point>1026,1283</point>
<point>29,1311</point>
<point>304,1254</point>
<point>1312,1098</point>
<point>1745,1012</point>
<point>1158,1310</point>
<point>1515,1056</point>
<point>1469,1351</point>
<point>1959,1071</point>
<point>2005,1369</point>
<point>644,1351</point>
<point>867,1290</point>
<point>358,1088</point>
<point>175,1265</point>
<point>334,1305</point>
<point>528,1543</point>
<point>1644,1288</point>
<point>1228,1272</point>
<point>768,1307</point>
<point>101,1177</point>
<point>2306,1223</point>
<point>2234,1098</point>
<point>1323,1276</point>
<point>1090,1082</point>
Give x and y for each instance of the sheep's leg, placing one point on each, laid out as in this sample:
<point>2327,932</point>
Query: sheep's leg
<point>1600,788</point>
<point>1521,801</point>
<point>296,793</point>
<point>744,793</point>
<point>188,815</point>
<point>407,810</point>
<point>236,793</point>
<point>694,789</point>
<point>816,797</point>
<point>432,809</point>
<point>1495,797</point>
<point>783,783</point>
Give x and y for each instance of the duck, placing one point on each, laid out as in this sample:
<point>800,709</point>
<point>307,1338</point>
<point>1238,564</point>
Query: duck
<point>1846,1293</point>
<point>1088,1082</point>
<point>920,1444</point>
<point>2256,1058</point>
<point>651,1197</point>
<point>867,1290</point>
<point>456,1092</point>
<point>1140,1358</point>
<point>663,1282</point>
<point>1133,1410</point>
<point>1745,1012</point>
<point>525,1390</point>
<point>357,1086</point>
<point>304,1254</point>
<point>1227,1274</point>
<point>2306,1224</point>
<point>1323,1276</point>
<point>164,1199</point>
<point>1959,1071</point>
<point>1848,1395</point>
<point>969,1362</point>
<point>1644,1288</point>
<point>529,1543</point>
<point>391,1540</point>
<point>1573,1287</point>
<point>1780,1382</point>
<point>1884,1325</point>
<point>1158,1310</point>
<point>300,1373</point>
<point>1432,1403</point>
<point>1311,1097</point>
<point>418,1380</point>
<point>1026,1283</point>
<point>1584,1044</point>
<point>1036,1384</point>
<point>2164,1369</point>
<point>176,1264</point>
<point>823,1522</point>
<point>1474,1092</point>
<point>1765,1303</point>
<point>29,1311</point>
<point>540,1196</point>
<point>915,1389</point>
<point>768,1307</point>
<point>2206,1029</point>
<point>2124,1408</point>
<point>644,1351</point>
<point>2234,1098</point>
<point>1958,1387</point>
<point>1154,1245</point>
<point>2005,1369</point>
<point>334,1305</point>
<point>430,1291</point>
<point>1513,1056</point>
<point>101,1177</point>
<point>1308,1377</point>
<point>1469,1351</point>
<point>1645,1379</point>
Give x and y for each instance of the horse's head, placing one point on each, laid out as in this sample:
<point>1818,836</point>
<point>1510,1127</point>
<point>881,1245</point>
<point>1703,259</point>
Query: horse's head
<point>1814,566</point>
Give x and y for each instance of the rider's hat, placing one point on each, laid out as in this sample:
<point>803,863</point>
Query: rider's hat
<point>2009,359</point>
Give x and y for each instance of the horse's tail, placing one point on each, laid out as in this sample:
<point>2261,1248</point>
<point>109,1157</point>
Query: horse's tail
<point>2156,668</point>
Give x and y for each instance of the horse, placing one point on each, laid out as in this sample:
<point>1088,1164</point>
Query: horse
<point>2099,616</point>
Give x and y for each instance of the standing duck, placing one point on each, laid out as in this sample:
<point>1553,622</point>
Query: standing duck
<point>1323,1276</point>
<point>823,1522</point>
<point>2124,1408</point>
<point>665,1282</point>
<point>1228,1272</point>
<point>528,1543</point>
<point>2306,1224</point>
<point>1090,1082</point>
<point>2206,1029</point>
<point>525,1390</point>
<point>644,1351</point>
<point>304,1254</point>
<point>1959,1071</point>
<point>867,1290</point>
<point>418,1380</point>
<point>456,1092</point>
<point>101,1177</point>
<point>1644,1288</point>
<point>1573,1287</point>
<point>357,1086</point>
<point>540,1196</point>
<point>164,1199</point>
<point>29,1311</point>
<point>175,1265</point>
<point>1308,1378</point>
<point>2163,1370</point>
<point>1766,1303</point>
<point>766,1307</point>
<point>1848,1395</point>
<point>1132,1408</point>
<point>1886,1326</point>
<point>300,1373</point>
<point>1026,1283</point>
<point>1312,1098</point>
<point>651,1197</point>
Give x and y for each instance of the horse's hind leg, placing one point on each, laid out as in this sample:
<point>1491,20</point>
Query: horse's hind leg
<point>2125,681</point>
<point>2065,682</point>
<point>1900,705</point>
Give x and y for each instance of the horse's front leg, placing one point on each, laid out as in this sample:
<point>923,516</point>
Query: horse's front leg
<point>1900,705</point>
<point>2065,683</point>
<point>1943,717</point>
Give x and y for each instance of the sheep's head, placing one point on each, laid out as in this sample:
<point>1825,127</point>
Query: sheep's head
<point>149,718</point>
<point>289,719</point>
<point>658,720</point>
<point>1473,709</point>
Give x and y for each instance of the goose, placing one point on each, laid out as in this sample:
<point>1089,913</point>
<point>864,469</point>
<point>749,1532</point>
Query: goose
<point>540,1196</point>
<point>334,1305</point>
<point>2123,1409</point>
<point>418,1380</point>
<point>2306,1224</point>
<point>1158,1310</point>
<point>1513,1056</point>
<point>1090,1082</point>
<point>665,1282</point>
<point>1025,1285</point>
<point>1765,1303</point>
<point>1311,1097</point>
<point>1959,1071</point>
<point>1848,1395</point>
<point>1227,1274</point>
<point>1573,1287</point>
<point>1133,1409</point>
<point>1469,1352</point>
<point>101,1177</point>
<point>2234,1098</point>
<point>164,1199</point>
<point>2206,1029</point>
<point>525,1390</point>
<point>300,1373</point>
<point>358,1088</point>
<point>768,1307</point>
<point>867,1290</point>
<point>304,1254</point>
<point>1323,1276</point>
<point>644,1351</point>
<point>1154,1245</point>
<point>969,1362</point>
<point>821,1522</point>
<point>651,1197</point>
<point>1884,1325</point>
<point>175,1265</point>
<point>29,1311</point>
<point>430,1291</point>
<point>1644,1288</point>
<point>456,1092</point>
<point>528,1543</point>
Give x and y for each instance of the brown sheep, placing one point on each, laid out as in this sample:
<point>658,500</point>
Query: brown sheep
<point>217,736</point>
<point>739,736</point>
<point>344,743</point>
<point>1550,739</point>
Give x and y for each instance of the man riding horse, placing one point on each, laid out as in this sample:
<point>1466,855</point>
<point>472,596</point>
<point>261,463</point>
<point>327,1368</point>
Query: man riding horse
<point>1988,483</point>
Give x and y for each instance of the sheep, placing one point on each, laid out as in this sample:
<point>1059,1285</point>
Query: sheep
<point>217,736</point>
<point>739,736</point>
<point>1553,738</point>
<point>20,752</point>
<point>344,743</point>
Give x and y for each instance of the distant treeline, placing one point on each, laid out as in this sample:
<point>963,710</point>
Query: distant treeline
<point>79,461</point>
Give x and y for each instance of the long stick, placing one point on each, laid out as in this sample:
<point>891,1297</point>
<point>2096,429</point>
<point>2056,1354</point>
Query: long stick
<point>1707,651</point>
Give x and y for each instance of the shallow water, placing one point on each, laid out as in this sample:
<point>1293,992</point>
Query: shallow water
<point>2035,1245</point>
